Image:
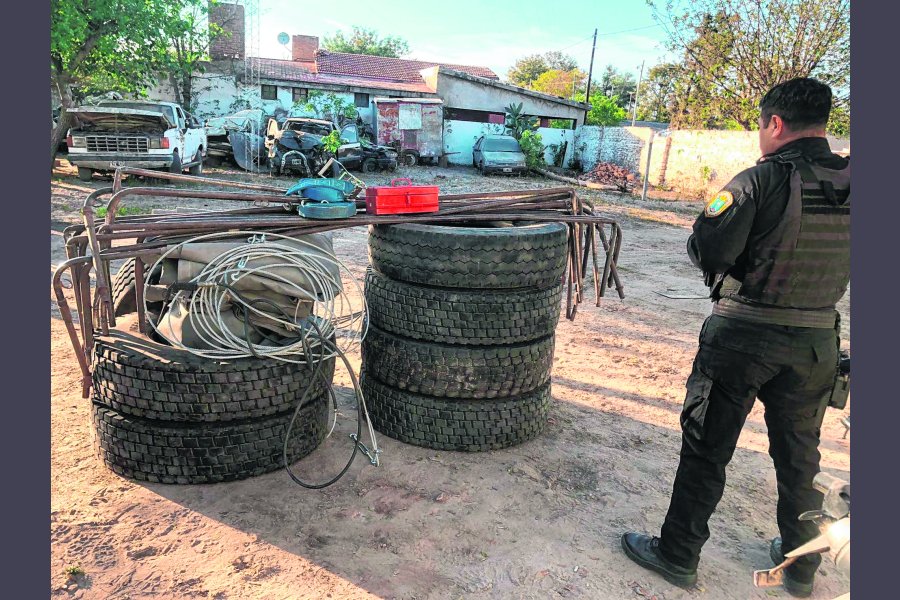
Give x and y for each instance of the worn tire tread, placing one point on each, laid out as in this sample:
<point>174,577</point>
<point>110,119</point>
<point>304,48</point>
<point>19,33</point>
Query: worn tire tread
<point>139,377</point>
<point>163,452</point>
<point>456,316</point>
<point>460,425</point>
<point>532,256</point>
<point>452,371</point>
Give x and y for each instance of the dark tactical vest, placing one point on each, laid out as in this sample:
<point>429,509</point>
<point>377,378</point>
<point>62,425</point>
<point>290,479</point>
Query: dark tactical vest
<point>804,262</point>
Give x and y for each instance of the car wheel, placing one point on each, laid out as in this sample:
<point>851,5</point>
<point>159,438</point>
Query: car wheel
<point>85,174</point>
<point>175,167</point>
<point>370,165</point>
<point>410,159</point>
<point>481,168</point>
<point>197,169</point>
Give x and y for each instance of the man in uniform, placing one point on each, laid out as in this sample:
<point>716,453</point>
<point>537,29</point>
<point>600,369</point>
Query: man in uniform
<point>774,246</point>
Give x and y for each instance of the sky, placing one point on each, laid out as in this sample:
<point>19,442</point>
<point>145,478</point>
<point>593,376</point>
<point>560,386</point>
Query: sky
<point>490,34</point>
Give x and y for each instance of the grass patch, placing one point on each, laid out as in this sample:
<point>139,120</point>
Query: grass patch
<point>74,571</point>
<point>124,211</point>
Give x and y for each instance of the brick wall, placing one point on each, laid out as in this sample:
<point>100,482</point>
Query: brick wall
<point>303,48</point>
<point>230,44</point>
<point>618,145</point>
<point>692,162</point>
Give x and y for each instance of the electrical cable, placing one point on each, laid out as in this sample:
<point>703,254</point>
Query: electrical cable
<point>333,327</point>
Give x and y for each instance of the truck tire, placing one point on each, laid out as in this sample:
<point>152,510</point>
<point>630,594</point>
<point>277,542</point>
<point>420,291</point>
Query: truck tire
<point>85,174</point>
<point>409,159</point>
<point>197,169</point>
<point>204,453</point>
<point>175,167</point>
<point>139,377</point>
<point>462,425</point>
<point>452,371</point>
<point>453,316</point>
<point>530,256</point>
<point>123,296</point>
<point>370,165</point>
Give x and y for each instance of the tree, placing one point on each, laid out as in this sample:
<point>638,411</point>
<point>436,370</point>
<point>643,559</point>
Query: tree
<point>605,110</point>
<point>560,83</point>
<point>366,41</point>
<point>525,71</point>
<point>618,83</point>
<point>559,61</point>
<point>99,46</point>
<point>518,122</point>
<point>657,98</point>
<point>183,46</point>
<point>735,50</point>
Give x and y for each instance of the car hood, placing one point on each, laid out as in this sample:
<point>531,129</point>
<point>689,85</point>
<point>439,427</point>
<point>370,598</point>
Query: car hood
<point>503,158</point>
<point>108,118</point>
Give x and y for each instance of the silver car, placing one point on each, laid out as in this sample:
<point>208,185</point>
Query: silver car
<point>498,154</point>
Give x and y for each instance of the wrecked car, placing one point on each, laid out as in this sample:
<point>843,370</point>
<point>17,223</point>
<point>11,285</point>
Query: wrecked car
<point>130,133</point>
<point>295,146</point>
<point>239,137</point>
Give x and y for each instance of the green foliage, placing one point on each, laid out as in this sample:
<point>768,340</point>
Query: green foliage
<point>604,110</point>
<point>619,84</point>
<point>559,153</point>
<point>839,124</point>
<point>325,106</point>
<point>533,148</point>
<point>657,97</point>
<point>74,571</point>
<point>332,142</point>
<point>517,122</point>
<point>733,51</point>
<point>124,211</point>
<point>184,42</point>
<point>560,124</point>
<point>526,70</point>
<point>104,45</point>
<point>560,83</point>
<point>366,41</point>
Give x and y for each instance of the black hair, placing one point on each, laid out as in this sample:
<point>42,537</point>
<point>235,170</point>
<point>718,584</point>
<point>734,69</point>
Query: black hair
<point>802,103</point>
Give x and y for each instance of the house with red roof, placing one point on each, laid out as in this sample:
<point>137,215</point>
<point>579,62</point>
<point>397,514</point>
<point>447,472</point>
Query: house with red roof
<point>473,98</point>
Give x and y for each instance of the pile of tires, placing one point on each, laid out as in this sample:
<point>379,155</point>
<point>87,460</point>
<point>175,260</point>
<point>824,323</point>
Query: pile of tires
<point>461,332</point>
<point>165,415</point>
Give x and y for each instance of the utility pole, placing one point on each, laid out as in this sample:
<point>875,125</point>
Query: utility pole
<point>587,94</point>
<point>636,92</point>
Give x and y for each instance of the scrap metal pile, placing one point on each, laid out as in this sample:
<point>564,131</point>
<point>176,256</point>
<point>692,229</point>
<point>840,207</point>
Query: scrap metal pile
<point>192,349</point>
<point>611,174</point>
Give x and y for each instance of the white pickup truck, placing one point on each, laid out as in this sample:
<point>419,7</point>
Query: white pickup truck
<point>131,133</point>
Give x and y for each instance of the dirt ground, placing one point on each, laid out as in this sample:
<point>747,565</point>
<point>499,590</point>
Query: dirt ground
<point>540,520</point>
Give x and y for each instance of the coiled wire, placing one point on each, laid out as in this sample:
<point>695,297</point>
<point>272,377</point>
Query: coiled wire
<point>334,316</point>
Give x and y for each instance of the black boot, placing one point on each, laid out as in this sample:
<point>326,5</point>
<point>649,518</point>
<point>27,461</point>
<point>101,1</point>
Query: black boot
<point>794,587</point>
<point>644,550</point>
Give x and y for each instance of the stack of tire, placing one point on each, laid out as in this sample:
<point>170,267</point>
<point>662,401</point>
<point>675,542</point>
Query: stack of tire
<point>165,415</point>
<point>460,342</point>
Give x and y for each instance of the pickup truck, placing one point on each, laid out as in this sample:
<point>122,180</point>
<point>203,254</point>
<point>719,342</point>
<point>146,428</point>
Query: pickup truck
<point>131,133</point>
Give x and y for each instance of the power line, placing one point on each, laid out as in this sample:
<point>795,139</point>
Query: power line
<point>629,30</point>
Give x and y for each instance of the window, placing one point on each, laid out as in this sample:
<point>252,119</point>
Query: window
<point>268,92</point>
<point>300,95</point>
<point>349,135</point>
<point>361,100</point>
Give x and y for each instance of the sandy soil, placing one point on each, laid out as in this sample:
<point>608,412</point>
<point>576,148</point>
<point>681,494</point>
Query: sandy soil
<point>541,520</point>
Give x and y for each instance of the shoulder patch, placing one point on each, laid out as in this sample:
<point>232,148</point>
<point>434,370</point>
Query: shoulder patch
<point>719,204</point>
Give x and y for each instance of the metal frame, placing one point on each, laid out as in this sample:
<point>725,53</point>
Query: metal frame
<point>89,246</point>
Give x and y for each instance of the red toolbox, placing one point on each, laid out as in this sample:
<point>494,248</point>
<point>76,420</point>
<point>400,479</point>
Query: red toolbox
<point>399,199</point>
